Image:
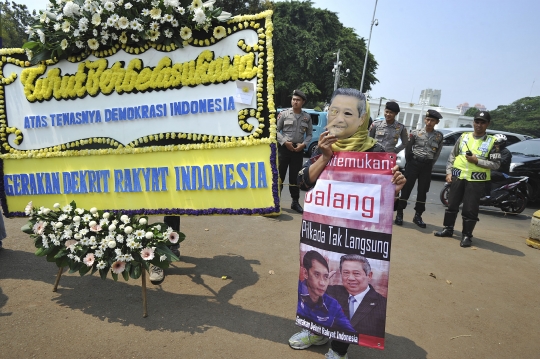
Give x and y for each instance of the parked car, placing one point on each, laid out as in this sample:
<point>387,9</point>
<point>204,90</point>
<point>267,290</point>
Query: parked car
<point>450,136</point>
<point>526,162</point>
<point>319,119</point>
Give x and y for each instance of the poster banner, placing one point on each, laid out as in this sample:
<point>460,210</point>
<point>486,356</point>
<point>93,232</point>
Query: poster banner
<point>148,129</point>
<point>345,242</point>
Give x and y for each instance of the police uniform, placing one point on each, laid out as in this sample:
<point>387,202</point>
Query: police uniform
<point>468,180</point>
<point>295,128</point>
<point>388,135</point>
<point>421,153</point>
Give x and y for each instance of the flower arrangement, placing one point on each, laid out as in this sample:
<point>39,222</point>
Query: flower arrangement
<point>69,27</point>
<point>88,241</point>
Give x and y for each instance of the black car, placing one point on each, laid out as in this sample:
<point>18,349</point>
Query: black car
<point>526,162</point>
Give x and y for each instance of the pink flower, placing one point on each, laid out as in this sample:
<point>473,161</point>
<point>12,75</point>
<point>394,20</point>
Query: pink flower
<point>70,243</point>
<point>39,227</point>
<point>89,260</point>
<point>173,237</point>
<point>95,228</point>
<point>147,254</point>
<point>118,267</point>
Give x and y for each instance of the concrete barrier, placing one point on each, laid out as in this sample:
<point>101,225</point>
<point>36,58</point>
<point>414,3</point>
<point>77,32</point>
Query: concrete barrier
<point>534,231</point>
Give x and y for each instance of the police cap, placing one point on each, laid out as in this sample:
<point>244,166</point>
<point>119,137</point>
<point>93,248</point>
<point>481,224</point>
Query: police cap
<point>392,106</point>
<point>433,114</point>
<point>483,115</point>
<point>299,94</point>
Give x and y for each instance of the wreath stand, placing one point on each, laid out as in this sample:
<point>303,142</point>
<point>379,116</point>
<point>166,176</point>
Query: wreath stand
<point>143,277</point>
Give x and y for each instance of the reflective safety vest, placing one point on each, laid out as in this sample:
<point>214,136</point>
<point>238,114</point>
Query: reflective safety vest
<point>481,147</point>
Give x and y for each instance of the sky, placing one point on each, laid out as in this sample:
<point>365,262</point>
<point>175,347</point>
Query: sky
<point>479,51</point>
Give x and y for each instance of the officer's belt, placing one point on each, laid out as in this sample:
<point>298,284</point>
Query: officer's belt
<point>422,159</point>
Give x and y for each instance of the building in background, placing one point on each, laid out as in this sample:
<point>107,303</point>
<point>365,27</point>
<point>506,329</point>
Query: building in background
<point>465,106</point>
<point>411,114</point>
<point>430,97</point>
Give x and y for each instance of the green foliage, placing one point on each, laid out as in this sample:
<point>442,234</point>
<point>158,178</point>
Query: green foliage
<point>13,20</point>
<point>471,112</point>
<point>305,40</point>
<point>246,7</point>
<point>521,116</point>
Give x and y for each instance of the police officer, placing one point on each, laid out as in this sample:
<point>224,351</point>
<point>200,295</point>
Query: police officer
<point>469,167</point>
<point>388,131</point>
<point>422,151</point>
<point>294,130</point>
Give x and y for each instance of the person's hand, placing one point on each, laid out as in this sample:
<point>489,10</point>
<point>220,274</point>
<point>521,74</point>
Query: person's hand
<point>325,144</point>
<point>449,178</point>
<point>398,178</point>
<point>290,146</point>
<point>300,147</point>
<point>472,159</point>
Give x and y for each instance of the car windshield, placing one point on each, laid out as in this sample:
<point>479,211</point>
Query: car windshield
<point>443,131</point>
<point>529,148</point>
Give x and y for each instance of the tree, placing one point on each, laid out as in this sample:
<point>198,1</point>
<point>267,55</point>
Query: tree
<point>521,116</point>
<point>245,7</point>
<point>305,40</point>
<point>471,112</point>
<point>13,20</point>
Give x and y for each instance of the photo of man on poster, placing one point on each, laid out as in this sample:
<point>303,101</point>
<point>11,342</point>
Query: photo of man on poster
<point>313,302</point>
<point>365,307</point>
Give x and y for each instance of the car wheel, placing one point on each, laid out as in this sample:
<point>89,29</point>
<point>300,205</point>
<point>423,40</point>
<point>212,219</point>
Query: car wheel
<point>311,148</point>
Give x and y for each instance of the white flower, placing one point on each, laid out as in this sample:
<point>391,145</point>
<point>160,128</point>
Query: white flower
<point>147,254</point>
<point>111,21</point>
<point>66,26</point>
<point>139,233</point>
<point>124,219</point>
<point>145,12</point>
<point>155,13</point>
<point>57,26</point>
<point>219,32</point>
<point>96,19</point>
<point>77,236</point>
<point>29,30</point>
<point>168,33</point>
<point>173,237</point>
<point>67,208</point>
<point>109,6</point>
<point>154,25</point>
<point>149,235</point>
<point>123,22</point>
<point>59,225</point>
<point>93,210</point>
<point>46,210</point>
<point>128,230</point>
<point>76,219</point>
<point>92,224</point>
<point>162,258</point>
<point>134,37</point>
<point>128,6</point>
<point>143,221</point>
<point>101,264</point>
<point>180,10</point>
<point>185,33</point>
<point>199,17</point>
<point>171,3</point>
<point>120,238</point>
<point>41,36</point>
<point>28,209</point>
<point>155,3</point>
<point>224,16</point>
<point>71,9</point>
<point>195,5</point>
<point>93,44</point>
<point>111,244</point>
<point>79,210</point>
<point>112,227</point>
<point>158,227</point>
<point>62,217</point>
<point>175,23</point>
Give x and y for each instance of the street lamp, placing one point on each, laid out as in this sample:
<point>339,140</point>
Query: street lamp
<point>376,23</point>
<point>337,71</point>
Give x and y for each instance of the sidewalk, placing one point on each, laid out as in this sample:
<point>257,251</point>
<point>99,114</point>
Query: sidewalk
<point>480,302</point>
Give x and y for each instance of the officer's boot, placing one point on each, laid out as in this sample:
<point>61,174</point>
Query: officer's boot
<point>448,223</point>
<point>418,220</point>
<point>399,217</point>
<point>466,234</point>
